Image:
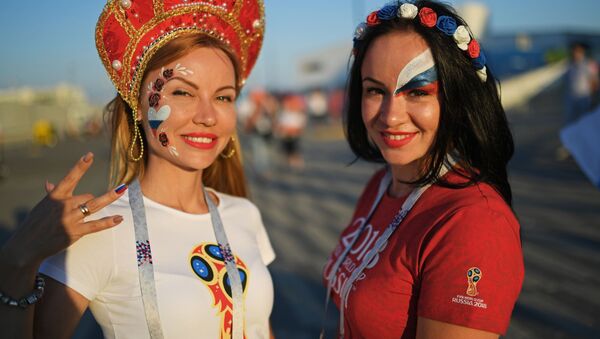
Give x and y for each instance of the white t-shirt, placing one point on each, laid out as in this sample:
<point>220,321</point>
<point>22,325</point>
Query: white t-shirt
<point>103,268</point>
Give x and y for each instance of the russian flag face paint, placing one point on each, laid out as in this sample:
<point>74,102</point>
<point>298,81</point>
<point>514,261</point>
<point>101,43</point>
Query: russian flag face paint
<point>157,113</point>
<point>155,118</point>
<point>419,73</point>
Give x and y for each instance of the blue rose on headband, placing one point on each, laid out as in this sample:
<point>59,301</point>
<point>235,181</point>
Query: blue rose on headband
<point>387,12</point>
<point>480,61</point>
<point>446,24</point>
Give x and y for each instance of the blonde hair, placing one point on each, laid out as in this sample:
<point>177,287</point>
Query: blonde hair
<point>224,174</point>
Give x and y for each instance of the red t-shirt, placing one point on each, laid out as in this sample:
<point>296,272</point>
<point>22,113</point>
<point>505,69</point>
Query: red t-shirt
<point>456,258</point>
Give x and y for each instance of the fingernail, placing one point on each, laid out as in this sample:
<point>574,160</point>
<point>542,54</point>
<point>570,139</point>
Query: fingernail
<point>122,188</point>
<point>87,157</point>
<point>118,219</point>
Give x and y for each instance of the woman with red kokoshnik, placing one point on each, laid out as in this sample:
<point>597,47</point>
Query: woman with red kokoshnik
<point>433,249</point>
<point>175,250</point>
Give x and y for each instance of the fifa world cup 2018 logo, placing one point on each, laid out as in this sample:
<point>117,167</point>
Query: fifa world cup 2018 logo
<point>208,264</point>
<point>473,277</point>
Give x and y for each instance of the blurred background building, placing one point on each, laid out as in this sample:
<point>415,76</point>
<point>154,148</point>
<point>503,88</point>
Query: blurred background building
<point>63,110</point>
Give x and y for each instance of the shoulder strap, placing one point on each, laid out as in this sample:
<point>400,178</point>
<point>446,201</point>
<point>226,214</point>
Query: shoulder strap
<point>383,185</point>
<point>144,261</point>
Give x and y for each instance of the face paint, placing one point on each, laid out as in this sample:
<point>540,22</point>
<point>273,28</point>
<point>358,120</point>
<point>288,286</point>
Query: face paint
<point>157,116</point>
<point>173,151</point>
<point>164,140</point>
<point>419,73</point>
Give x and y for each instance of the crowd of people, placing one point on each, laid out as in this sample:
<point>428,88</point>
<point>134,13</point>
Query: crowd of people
<point>276,123</point>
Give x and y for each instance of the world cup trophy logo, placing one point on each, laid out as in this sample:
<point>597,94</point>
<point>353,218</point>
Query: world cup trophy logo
<point>473,276</point>
<point>208,263</point>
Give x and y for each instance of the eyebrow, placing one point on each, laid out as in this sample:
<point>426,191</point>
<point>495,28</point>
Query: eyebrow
<point>196,87</point>
<point>373,80</point>
<point>185,81</point>
<point>224,88</point>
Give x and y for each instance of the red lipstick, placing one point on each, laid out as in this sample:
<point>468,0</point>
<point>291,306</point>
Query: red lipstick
<point>199,140</point>
<point>397,139</point>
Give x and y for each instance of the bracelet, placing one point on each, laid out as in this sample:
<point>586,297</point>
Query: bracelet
<point>27,300</point>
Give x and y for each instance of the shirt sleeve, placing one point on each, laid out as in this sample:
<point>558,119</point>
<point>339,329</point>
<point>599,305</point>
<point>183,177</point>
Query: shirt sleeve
<point>86,266</point>
<point>262,239</point>
<point>472,270</point>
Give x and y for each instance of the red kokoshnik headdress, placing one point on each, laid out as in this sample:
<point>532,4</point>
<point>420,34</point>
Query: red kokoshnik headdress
<point>129,32</point>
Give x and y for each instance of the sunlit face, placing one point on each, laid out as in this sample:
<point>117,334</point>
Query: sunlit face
<point>400,103</point>
<point>188,109</point>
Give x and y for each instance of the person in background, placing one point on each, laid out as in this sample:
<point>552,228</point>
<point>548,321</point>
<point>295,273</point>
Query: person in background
<point>259,124</point>
<point>433,249</point>
<point>582,84</point>
<point>317,105</point>
<point>291,124</point>
<point>175,250</point>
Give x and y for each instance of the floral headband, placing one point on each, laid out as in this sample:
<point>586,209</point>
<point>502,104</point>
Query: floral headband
<point>428,18</point>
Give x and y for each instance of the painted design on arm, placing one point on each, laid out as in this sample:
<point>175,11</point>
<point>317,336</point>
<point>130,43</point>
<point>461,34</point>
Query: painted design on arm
<point>419,73</point>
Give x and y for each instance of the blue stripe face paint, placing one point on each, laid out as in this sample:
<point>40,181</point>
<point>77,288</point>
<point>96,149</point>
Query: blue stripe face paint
<point>419,72</point>
<point>420,80</point>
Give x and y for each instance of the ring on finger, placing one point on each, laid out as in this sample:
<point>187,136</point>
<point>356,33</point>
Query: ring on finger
<point>84,209</point>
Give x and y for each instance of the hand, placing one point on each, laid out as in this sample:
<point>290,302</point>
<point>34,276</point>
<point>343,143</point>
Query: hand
<point>57,221</point>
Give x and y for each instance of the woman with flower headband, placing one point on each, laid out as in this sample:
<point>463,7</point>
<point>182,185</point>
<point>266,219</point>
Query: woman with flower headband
<point>433,249</point>
<point>162,255</point>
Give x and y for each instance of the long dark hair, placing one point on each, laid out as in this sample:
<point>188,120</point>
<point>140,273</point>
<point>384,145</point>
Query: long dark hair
<point>473,124</point>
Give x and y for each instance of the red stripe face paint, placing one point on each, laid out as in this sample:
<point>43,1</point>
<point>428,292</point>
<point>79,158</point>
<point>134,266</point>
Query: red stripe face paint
<point>429,89</point>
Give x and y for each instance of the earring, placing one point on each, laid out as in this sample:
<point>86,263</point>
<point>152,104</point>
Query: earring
<point>231,150</point>
<point>136,135</point>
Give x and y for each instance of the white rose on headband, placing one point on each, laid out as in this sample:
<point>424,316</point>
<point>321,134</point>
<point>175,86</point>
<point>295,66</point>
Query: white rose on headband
<point>482,73</point>
<point>462,37</point>
<point>408,11</point>
<point>359,32</point>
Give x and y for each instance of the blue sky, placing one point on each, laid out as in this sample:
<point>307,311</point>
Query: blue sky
<point>53,41</point>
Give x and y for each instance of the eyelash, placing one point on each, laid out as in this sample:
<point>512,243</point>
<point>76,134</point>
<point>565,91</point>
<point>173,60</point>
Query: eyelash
<point>181,92</point>
<point>418,93</point>
<point>225,98</point>
<point>374,91</point>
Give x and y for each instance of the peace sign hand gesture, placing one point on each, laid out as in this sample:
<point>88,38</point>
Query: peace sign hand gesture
<point>57,221</point>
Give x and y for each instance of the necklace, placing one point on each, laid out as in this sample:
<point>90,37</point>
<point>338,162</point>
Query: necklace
<point>146,268</point>
<point>378,247</point>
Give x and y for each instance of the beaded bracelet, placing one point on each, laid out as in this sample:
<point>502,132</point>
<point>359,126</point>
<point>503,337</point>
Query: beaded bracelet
<point>27,300</point>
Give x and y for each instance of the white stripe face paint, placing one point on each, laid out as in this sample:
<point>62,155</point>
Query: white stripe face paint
<point>420,64</point>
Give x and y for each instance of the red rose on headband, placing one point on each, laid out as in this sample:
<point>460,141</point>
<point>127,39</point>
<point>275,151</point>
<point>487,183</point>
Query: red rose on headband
<point>372,19</point>
<point>428,17</point>
<point>474,49</point>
